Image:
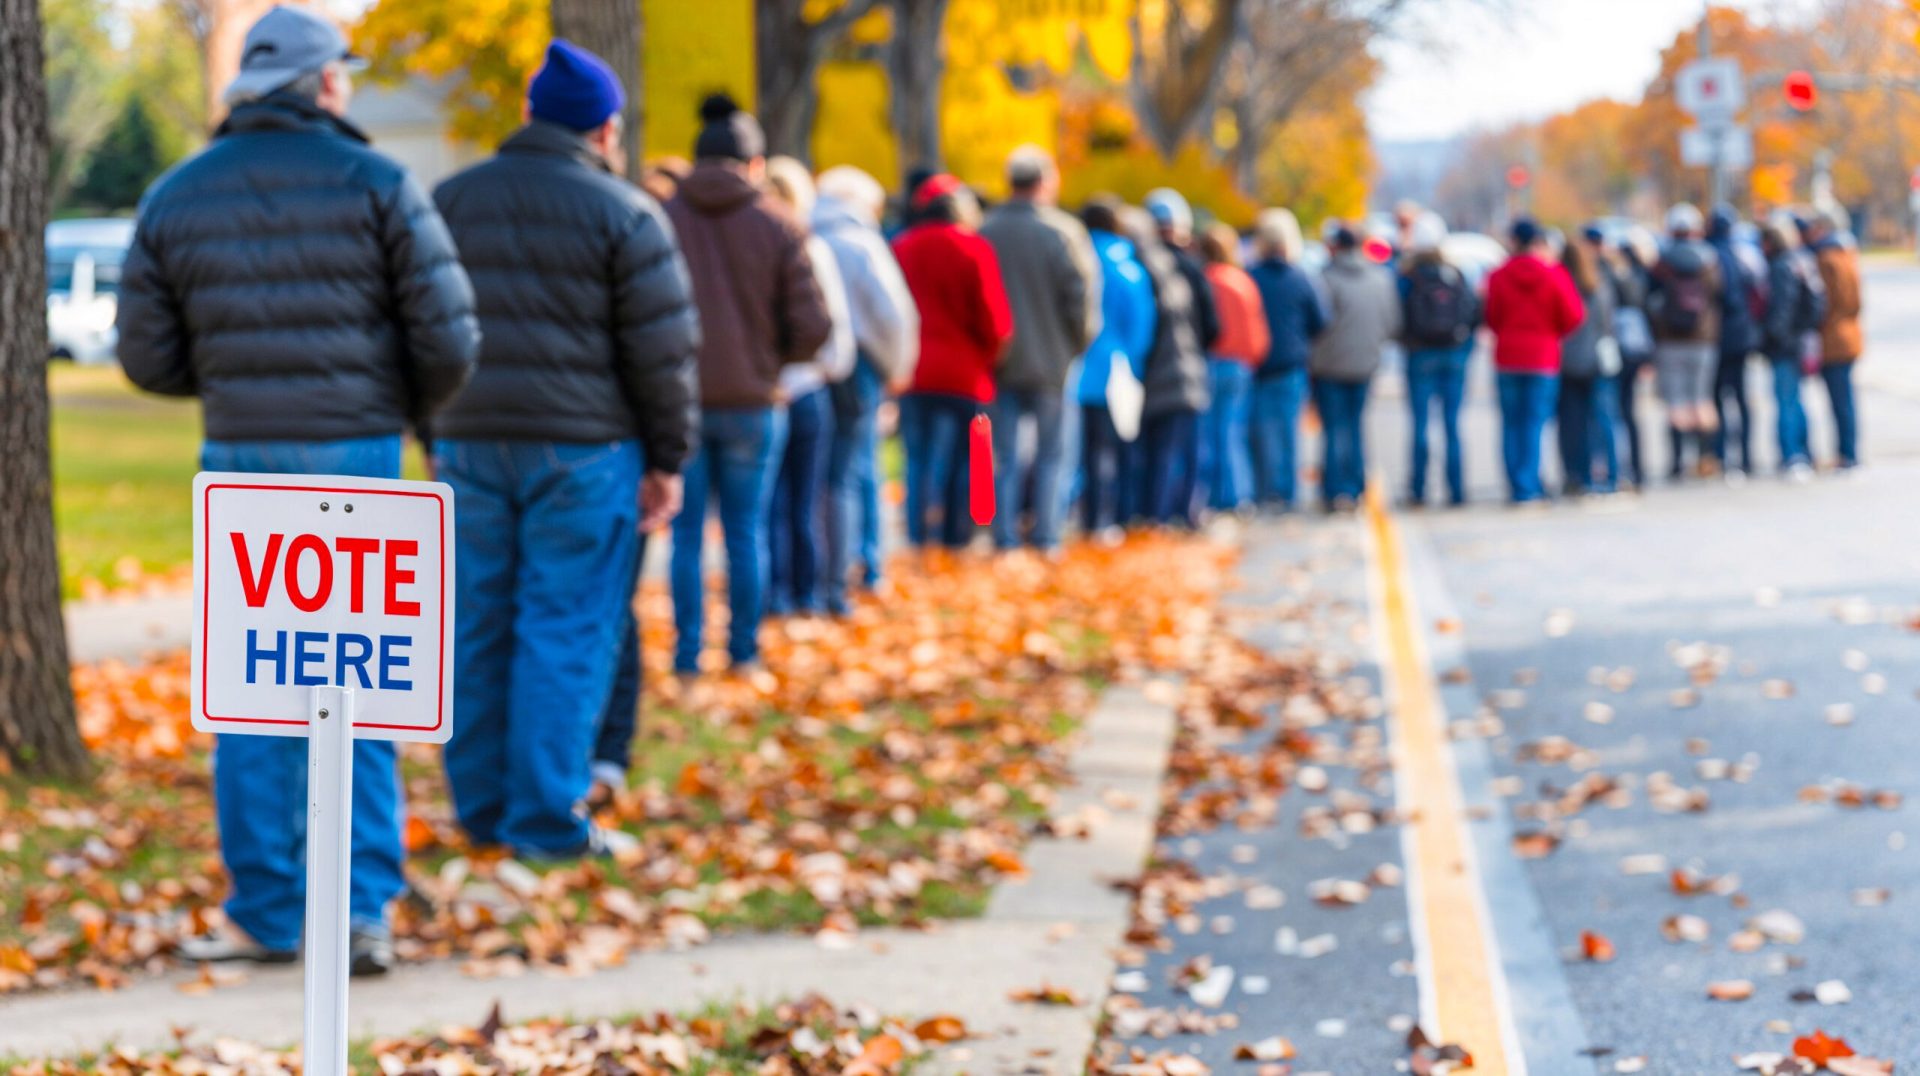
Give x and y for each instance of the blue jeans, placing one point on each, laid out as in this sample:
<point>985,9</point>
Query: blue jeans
<point>260,782</point>
<point>1527,403</point>
<point>1730,384</point>
<point>1171,450</point>
<point>1438,375</point>
<point>1588,419</point>
<point>1838,377</point>
<point>853,489</point>
<point>1791,414</point>
<point>1046,467</point>
<point>1343,459</point>
<point>613,744</point>
<point>934,427</point>
<point>1226,462</point>
<point>797,536</point>
<point>547,535</point>
<point>1108,464</point>
<point>736,458</point>
<point>1277,399</point>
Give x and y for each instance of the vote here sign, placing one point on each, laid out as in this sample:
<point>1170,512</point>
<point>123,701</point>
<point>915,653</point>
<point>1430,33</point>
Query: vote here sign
<point>304,581</point>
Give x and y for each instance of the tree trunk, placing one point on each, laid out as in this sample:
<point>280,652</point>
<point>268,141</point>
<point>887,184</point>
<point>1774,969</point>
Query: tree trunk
<point>37,727</point>
<point>226,23</point>
<point>611,30</point>
<point>915,65</point>
<point>787,57</point>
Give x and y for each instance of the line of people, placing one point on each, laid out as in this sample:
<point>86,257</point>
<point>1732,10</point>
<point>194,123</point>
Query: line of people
<point>589,367</point>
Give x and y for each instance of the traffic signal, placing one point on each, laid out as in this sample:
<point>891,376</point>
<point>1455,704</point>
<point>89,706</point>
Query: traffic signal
<point>1802,92</point>
<point>1518,177</point>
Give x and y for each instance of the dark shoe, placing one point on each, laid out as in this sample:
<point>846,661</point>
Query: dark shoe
<point>229,942</point>
<point>369,951</point>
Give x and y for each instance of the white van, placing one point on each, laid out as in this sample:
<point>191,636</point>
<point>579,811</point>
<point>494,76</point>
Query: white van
<point>83,286</point>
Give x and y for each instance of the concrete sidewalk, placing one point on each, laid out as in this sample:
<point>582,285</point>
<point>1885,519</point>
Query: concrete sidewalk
<point>1060,926</point>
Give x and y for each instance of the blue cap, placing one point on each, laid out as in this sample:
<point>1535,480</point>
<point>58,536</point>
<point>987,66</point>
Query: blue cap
<point>574,88</point>
<point>1525,232</point>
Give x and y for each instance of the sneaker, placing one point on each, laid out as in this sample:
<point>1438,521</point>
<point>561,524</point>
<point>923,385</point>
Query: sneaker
<point>1799,473</point>
<point>610,843</point>
<point>369,951</point>
<point>228,942</point>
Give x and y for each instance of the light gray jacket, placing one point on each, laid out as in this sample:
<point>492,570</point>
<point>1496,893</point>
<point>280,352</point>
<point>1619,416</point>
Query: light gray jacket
<point>1053,284</point>
<point>1363,315</point>
<point>886,324</point>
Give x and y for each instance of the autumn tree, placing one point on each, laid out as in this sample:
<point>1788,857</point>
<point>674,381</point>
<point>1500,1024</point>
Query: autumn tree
<point>611,30</point>
<point>37,726</point>
<point>791,37</point>
<point>915,65</point>
<point>1180,52</point>
<point>81,99</point>
<point>219,27</point>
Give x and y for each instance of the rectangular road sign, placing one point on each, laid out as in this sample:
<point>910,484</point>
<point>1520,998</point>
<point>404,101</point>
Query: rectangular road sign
<point>1733,144</point>
<point>308,581</point>
<point>1711,89</point>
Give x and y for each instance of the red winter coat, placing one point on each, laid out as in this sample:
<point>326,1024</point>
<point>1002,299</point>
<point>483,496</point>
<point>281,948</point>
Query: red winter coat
<point>1531,306</point>
<point>965,321</point>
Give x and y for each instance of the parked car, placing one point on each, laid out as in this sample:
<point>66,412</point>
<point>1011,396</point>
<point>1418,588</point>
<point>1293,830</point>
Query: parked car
<point>83,286</point>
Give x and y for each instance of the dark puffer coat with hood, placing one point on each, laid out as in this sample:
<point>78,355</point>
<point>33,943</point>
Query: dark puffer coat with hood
<point>760,307</point>
<point>298,282</point>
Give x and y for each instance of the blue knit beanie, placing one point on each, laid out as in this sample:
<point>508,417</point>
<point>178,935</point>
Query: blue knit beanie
<point>574,88</point>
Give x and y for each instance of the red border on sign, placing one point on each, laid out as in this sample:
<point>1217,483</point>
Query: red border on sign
<point>206,586</point>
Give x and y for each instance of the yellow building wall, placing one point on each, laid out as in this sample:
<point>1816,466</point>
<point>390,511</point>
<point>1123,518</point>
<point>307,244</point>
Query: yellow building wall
<point>693,48</point>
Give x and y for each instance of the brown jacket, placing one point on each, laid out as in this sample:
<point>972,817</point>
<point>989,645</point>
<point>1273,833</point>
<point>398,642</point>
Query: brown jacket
<point>760,307</point>
<point>1840,337</point>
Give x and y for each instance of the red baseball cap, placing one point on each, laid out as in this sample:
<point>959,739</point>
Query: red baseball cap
<point>936,186</point>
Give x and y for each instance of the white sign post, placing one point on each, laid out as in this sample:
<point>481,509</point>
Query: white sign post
<point>1711,90</point>
<point>323,607</point>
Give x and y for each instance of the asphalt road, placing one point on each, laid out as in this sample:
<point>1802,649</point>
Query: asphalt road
<point>1710,680</point>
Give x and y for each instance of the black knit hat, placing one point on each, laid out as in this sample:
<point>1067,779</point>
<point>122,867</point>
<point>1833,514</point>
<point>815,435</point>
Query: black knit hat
<point>727,132</point>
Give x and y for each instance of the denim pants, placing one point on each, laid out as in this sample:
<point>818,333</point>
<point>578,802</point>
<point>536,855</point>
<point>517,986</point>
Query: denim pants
<point>1438,375</point>
<point>548,532</point>
<point>1277,399</point>
<point>1045,466</point>
<point>1343,458</point>
<point>797,533</point>
<point>853,489</point>
<point>1838,377</point>
<point>1729,398</point>
<point>1226,462</point>
<point>260,782</point>
<point>1626,388</point>
<point>1171,448</point>
<point>1791,414</point>
<point>1107,463</point>
<point>613,743</point>
<point>735,460</point>
<point>934,427</point>
<point>1527,403</point>
<point>1587,420</point>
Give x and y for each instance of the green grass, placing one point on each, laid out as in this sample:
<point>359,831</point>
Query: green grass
<point>123,466</point>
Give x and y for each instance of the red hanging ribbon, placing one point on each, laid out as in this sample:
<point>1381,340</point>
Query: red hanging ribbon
<point>980,470</point>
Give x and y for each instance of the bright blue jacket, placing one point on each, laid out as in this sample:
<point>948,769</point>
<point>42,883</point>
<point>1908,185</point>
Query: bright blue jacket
<point>1126,330</point>
<point>1295,314</point>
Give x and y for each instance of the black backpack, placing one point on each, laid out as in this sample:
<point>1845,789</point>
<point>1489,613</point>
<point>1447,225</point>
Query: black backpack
<point>1810,309</point>
<point>1685,298</point>
<point>1441,308</point>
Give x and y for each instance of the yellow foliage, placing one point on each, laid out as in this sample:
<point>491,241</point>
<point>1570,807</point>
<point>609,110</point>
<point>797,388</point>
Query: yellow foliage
<point>692,50</point>
<point>1136,169</point>
<point>852,126</point>
<point>485,49</point>
<point>1320,164</point>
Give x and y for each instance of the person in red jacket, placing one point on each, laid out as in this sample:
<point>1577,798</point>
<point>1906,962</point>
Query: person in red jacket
<point>965,323</point>
<point>1531,305</point>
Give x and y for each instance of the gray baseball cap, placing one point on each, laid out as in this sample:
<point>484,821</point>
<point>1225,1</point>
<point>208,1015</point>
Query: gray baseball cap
<point>286,43</point>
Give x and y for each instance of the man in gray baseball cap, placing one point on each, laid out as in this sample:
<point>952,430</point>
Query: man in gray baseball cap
<point>305,289</point>
<point>286,46</point>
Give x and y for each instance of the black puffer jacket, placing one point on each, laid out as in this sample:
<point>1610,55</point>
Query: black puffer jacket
<point>588,326</point>
<point>298,282</point>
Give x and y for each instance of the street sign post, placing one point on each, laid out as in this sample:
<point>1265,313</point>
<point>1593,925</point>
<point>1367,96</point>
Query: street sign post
<point>1711,88</point>
<point>323,607</point>
<point>1722,146</point>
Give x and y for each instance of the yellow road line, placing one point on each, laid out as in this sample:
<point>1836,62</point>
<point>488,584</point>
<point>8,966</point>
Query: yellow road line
<point>1463,999</point>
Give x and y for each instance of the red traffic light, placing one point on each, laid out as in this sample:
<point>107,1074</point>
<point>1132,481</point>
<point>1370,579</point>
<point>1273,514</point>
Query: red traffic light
<point>1518,176</point>
<point>1802,92</point>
